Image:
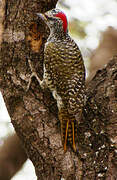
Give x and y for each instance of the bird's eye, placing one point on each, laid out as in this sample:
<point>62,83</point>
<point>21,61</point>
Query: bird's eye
<point>54,11</point>
<point>48,17</point>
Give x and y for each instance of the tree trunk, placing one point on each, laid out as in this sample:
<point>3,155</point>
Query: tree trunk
<point>34,112</point>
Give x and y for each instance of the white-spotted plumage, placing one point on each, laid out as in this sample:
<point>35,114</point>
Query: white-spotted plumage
<point>64,75</point>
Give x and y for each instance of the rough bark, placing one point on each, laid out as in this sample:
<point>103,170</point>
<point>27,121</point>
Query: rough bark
<point>12,157</point>
<point>1,18</point>
<point>34,113</point>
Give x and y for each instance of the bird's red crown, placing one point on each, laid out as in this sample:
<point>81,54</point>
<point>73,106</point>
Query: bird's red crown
<point>63,17</point>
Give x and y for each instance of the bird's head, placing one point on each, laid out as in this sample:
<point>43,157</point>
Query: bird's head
<point>55,19</point>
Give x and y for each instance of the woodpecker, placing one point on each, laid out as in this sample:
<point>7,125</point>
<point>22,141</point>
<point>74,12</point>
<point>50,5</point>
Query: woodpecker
<point>64,74</point>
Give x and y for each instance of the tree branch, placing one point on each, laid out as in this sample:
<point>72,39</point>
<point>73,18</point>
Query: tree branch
<point>12,157</point>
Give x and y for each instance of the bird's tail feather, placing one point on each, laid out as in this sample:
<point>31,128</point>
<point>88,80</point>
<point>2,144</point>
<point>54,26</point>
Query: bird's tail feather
<point>68,129</point>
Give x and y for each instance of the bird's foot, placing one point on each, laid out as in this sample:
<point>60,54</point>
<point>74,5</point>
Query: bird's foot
<point>34,74</point>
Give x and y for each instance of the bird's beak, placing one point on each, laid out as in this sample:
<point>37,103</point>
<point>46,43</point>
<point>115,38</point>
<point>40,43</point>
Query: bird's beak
<point>42,16</point>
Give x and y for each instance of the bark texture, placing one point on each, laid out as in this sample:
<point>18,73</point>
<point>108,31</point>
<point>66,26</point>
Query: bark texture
<point>34,113</point>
